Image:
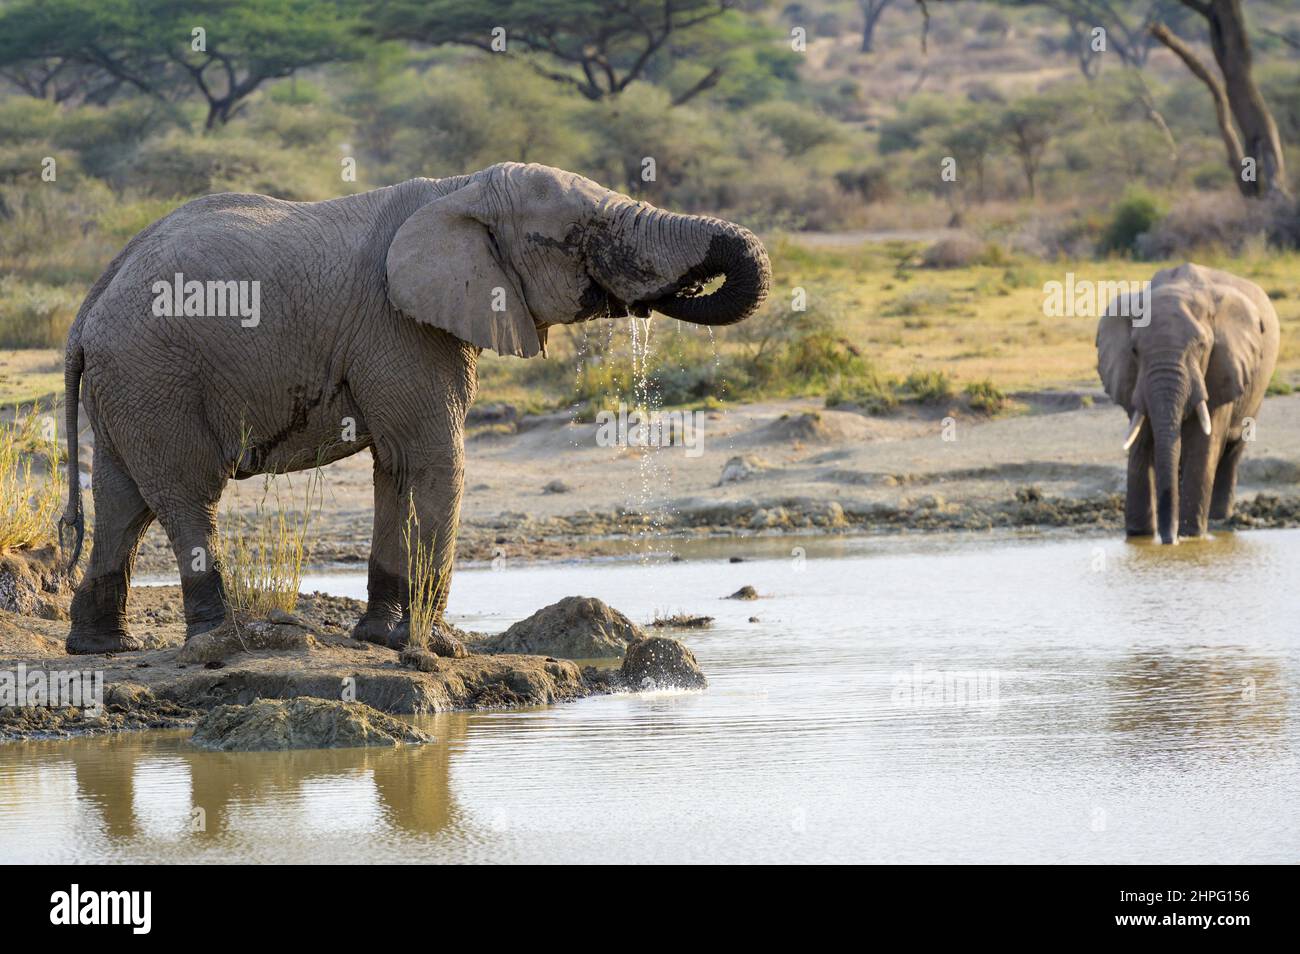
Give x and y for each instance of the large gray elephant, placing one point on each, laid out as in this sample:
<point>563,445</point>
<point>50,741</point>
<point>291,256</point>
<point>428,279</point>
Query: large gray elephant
<point>364,317</point>
<point>1189,369</point>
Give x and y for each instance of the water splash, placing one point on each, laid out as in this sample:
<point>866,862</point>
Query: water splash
<point>652,476</point>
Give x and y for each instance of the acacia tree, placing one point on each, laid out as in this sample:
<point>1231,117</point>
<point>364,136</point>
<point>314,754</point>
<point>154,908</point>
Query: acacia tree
<point>152,46</point>
<point>251,42</point>
<point>971,141</point>
<point>872,10</point>
<point>1027,126</point>
<point>1246,124</point>
<point>61,79</point>
<point>598,47</point>
<point>1253,144</point>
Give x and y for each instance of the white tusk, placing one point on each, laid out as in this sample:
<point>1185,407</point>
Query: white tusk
<point>1134,428</point>
<point>1203,412</point>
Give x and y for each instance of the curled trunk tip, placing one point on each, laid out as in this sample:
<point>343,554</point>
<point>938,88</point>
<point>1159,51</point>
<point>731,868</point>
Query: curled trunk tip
<point>738,257</point>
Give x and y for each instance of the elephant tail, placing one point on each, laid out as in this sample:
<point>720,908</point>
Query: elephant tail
<point>73,518</point>
<point>74,363</point>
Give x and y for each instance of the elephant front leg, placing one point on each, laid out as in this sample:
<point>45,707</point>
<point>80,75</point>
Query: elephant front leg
<point>1201,454</point>
<point>1225,481</point>
<point>1139,514</point>
<point>436,494</point>
<point>386,577</point>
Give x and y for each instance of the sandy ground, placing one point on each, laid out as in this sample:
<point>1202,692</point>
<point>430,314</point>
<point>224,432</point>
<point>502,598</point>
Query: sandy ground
<point>1056,461</point>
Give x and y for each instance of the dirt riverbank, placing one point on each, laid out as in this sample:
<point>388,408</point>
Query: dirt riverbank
<point>541,488</point>
<point>308,654</point>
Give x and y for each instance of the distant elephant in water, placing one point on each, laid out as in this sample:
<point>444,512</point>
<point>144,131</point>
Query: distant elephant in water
<point>1189,371</point>
<point>244,335</point>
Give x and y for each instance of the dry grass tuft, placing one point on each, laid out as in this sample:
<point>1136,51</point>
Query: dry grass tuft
<point>426,582</point>
<point>261,558</point>
<point>29,502</point>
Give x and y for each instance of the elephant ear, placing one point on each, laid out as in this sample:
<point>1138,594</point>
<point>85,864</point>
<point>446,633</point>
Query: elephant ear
<point>1238,346</point>
<point>446,269</point>
<point>1116,363</point>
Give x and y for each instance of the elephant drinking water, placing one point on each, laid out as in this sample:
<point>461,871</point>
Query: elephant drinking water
<point>1191,367</point>
<point>341,326</point>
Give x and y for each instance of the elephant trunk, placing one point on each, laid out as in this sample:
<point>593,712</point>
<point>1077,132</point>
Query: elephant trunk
<point>1168,448</point>
<point>651,258</point>
<point>1167,399</point>
<point>734,254</point>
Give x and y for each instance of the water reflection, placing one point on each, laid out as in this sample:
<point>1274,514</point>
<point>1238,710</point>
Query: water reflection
<point>158,787</point>
<point>1214,700</point>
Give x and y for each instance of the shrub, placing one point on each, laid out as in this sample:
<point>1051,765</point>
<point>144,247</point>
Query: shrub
<point>35,315</point>
<point>821,356</point>
<point>23,119</point>
<point>1131,217</point>
<point>124,220</point>
<point>870,182</point>
<point>928,387</point>
<point>986,396</point>
<point>799,128</point>
<point>871,392</point>
<point>180,165</point>
<point>700,380</point>
<point>1222,222</point>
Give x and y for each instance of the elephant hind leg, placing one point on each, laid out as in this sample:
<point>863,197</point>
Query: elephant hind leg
<point>181,481</point>
<point>121,519</point>
<point>1225,481</point>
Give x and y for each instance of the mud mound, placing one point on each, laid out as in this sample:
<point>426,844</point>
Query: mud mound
<point>310,655</point>
<point>272,724</point>
<point>817,427</point>
<point>244,636</point>
<point>741,468</point>
<point>659,662</point>
<point>31,584</point>
<point>577,627</point>
<point>954,251</point>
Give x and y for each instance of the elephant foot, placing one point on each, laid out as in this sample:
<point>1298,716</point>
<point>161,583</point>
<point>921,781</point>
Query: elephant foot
<point>94,642</point>
<point>201,626</point>
<point>374,629</point>
<point>396,634</point>
<point>1134,532</point>
<point>441,642</point>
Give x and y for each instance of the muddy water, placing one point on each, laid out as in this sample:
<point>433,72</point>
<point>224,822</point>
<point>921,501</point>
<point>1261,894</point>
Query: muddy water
<point>932,699</point>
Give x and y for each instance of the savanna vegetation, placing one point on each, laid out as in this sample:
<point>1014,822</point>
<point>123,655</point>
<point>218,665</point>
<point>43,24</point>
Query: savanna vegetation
<point>1003,128</point>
